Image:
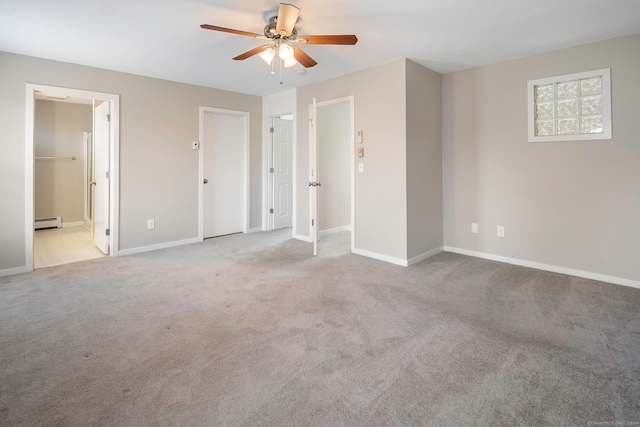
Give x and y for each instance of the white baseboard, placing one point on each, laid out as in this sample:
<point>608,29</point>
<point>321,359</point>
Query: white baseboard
<point>12,271</point>
<point>547,267</point>
<point>334,230</point>
<point>72,224</point>
<point>422,257</point>
<point>303,238</point>
<point>254,230</point>
<point>150,248</point>
<point>380,257</point>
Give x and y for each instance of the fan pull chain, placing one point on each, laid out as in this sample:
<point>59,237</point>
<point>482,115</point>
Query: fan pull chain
<point>281,62</point>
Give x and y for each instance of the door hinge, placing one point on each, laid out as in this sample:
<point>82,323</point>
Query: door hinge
<point>108,117</point>
<point>108,232</point>
<point>272,130</point>
<point>272,170</point>
<point>271,210</point>
<point>108,174</point>
<point>312,223</point>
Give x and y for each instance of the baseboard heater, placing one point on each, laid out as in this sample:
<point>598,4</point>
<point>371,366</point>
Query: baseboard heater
<point>51,222</point>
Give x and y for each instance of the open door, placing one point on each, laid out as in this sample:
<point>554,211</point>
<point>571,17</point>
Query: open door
<point>314,179</point>
<point>100,181</point>
<point>331,161</point>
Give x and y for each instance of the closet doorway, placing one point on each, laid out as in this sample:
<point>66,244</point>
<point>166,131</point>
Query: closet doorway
<point>224,172</point>
<point>280,183</point>
<point>331,179</point>
<point>70,165</point>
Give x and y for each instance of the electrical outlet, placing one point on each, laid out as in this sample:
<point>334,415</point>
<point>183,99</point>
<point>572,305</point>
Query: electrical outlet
<point>500,231</point>
<point>151,224</point>
<point>474,227</point>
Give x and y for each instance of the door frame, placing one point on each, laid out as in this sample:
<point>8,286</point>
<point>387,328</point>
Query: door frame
<point>114,162</point>
<point>268,218</point>
<point>351,101</point>
<point>88,199</point>
<point>245,166</point>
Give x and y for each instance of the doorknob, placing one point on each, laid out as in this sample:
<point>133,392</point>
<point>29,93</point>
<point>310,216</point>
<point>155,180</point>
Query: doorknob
<point>92,183</point>
<point>206,181</point>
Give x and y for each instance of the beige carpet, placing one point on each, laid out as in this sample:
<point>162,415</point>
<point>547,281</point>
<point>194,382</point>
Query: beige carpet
<point>251,330</point>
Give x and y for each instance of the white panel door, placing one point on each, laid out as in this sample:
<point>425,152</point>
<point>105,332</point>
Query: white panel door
<point>223,145</point>
<point>282,175</point>
<point>314,179</point>
<point>100,180</point>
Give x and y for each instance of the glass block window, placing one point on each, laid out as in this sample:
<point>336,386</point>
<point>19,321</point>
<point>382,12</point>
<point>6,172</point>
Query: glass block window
<point>570,107</point>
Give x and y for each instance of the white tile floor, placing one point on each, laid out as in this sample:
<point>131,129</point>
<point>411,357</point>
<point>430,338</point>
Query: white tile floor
<point>56,246</point>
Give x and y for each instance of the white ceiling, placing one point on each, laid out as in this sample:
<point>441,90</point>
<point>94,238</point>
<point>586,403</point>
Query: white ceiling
<point>163,38</point>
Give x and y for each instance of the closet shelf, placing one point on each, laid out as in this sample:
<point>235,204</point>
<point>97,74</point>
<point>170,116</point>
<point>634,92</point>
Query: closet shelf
<point>55,158</point>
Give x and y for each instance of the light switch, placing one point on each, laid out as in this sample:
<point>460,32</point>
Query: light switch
<point>360,167</point>
<point>360,137</point>
<point>360,152</point>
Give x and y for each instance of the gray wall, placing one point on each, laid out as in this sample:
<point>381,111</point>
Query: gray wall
<point>379,104</point>
<point>59,184</point>
<point>572,204</point>
<point>158,168</point>
<point>399,196</point>
<point>424,160</point>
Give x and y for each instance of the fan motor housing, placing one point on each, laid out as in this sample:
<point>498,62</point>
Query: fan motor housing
<point>270,30</point>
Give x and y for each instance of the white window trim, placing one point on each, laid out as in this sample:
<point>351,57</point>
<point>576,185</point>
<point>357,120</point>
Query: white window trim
<point>606,106</point>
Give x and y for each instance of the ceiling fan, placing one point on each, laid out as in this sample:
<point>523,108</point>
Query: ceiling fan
<point>283,37</point>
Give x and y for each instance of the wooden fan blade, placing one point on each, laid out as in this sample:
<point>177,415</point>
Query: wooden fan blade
<point>305,60</point>
<point>287,17</point>
<point>250,53</point>
<point>349,39</point>
<point>229,30</point>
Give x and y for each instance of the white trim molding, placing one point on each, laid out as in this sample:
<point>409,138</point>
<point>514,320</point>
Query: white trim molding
<point>398,261</point>
<point>274,106</point>
<point>334,230</point>
<point>166,245</point>
<point>12,271</point>
<point>114,162</point>
<point>246,154</point>
<point>546,267</point>
<point>352,173</point>
<point>303,238</point>
<point>422,257</point>
<point>380,257</point>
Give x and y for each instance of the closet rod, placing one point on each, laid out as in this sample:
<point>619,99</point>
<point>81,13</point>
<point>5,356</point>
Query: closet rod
<point>56,158</point>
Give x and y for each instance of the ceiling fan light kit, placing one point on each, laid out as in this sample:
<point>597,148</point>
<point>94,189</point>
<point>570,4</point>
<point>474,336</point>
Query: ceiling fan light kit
<point>281,32</point>
<point>267,55</point>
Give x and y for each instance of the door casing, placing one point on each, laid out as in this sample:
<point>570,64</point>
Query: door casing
<point>273,222</point>
<point>245,166</point>
<point>114,164</point>
<point>312,134</point>
<point>100,207</point>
